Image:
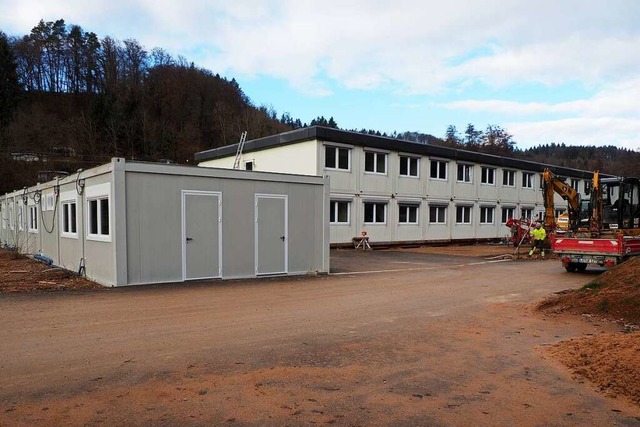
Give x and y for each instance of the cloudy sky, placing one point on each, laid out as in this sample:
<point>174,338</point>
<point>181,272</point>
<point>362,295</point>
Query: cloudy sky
<point>545,70</point>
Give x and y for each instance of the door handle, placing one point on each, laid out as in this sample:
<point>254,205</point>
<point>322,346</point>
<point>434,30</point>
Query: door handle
<point>282,237</point>
<point>189,239</point>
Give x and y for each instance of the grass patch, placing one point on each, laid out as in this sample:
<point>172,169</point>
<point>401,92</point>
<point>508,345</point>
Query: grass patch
<point>592,285</point>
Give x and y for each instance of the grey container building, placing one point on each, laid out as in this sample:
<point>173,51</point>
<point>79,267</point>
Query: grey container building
<point>128,223</point>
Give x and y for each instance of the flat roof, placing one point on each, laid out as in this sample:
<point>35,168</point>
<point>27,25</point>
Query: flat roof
<point>380,142</point>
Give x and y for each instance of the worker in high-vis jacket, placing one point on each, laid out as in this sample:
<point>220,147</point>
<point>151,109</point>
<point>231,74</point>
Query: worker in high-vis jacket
<point>538,234</point>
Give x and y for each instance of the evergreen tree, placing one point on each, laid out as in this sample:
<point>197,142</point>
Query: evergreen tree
<point>9,85</point>
<point>451,136</point>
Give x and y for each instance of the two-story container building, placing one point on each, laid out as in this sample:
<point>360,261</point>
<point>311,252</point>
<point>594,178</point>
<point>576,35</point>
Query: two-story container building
<point>400,191</point>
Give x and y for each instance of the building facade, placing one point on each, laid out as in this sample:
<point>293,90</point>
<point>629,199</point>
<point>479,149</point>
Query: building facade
<point>127,223</point>
<point>404,192</point>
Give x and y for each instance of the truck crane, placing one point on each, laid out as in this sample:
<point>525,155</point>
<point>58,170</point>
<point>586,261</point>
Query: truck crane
<point>604,230</point>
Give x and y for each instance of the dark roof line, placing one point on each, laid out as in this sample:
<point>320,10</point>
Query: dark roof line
<point>385,143</point>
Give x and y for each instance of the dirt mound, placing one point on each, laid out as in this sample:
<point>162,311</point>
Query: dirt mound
<point>608,360</point>
<point>615,295</point>
<point>19,273</point>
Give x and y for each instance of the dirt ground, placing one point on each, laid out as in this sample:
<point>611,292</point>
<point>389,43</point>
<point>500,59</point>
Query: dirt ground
<point>612,361</point>
<point>391,338</point>
<point>19,273</point>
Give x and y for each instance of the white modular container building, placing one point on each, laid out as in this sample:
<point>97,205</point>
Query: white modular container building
<point>403,192</point>
<point>127,223</point>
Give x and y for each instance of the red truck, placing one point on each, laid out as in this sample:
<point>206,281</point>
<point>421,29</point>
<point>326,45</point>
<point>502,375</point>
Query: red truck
<point>604,230</point>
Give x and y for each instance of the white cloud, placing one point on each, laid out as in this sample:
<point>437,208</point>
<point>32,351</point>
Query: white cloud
<point>415,46</point>
<point>622,133</point>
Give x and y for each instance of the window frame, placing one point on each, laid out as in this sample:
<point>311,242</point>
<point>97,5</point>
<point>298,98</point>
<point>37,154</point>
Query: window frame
<point>577,184</point>
<point>99,194</point>
<point>463,220</point>
<point>12,225</point>
<point>505,209</point>
<point>484,177</point>
<point>375,155</point>
<point>33,218</point>
<point>527,178</point>
<point>409,160</point>
<point>441,165</point>
<point>464,167</point>
<point>508,173</point>
<point>336,158</point>
<point>20,217</point>
<point>68,221</point>
<point>334,211</point>
<point>438,208</point>
<point>375,204</point>
<point>484,210</point>
<point>523,212</point>
<point>408,207</point>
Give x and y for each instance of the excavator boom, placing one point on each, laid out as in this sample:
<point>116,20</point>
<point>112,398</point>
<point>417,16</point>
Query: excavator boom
<point>552,184</point>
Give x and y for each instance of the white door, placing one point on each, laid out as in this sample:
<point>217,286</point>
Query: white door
<point>271,234</point>
<point>201,235</point>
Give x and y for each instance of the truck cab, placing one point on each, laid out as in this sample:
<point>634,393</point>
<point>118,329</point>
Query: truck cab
<point>620,203</point>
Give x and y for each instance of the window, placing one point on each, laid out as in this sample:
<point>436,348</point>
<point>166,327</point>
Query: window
<point>409,166</point>
<point>575,183</point>
<point>98,217</point>
<point>527,180</point>
<point>437,214</point>
<point>463,214</point>
<point>69,219</point>
<point>509,178</point>
<point>527,213</point>
<point>248,166</point>
<point>375,162</point>
<point>336,157</point>
<point>486,214</point>
<point>375,213</point>
<point>33,218</point>
<point>507,213</point>
<point>49,202</point>
<point>559,212</point>
<point>408,214</point>
<point>438,169</point>
<point>339,213</point>
<point>488,175</point>
<point>20,217</point>
<point>464,173</point>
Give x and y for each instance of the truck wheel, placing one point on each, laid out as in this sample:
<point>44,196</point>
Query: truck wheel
<point>581,267</point>
<point>571,267</point>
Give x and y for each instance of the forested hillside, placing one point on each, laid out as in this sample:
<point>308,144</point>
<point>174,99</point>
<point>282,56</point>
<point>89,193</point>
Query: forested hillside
<point>74,100</point>
<point>70,99</point>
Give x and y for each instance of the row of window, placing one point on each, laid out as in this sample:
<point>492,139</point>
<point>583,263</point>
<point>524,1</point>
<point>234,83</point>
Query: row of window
<point>97,217</point>
<point>408,213</point>
<point>32,218</point>
<point>376,162</point>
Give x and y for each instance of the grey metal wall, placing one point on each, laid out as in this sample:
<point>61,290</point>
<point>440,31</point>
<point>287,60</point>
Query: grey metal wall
<point>66,250</point>
<point>154,244</point>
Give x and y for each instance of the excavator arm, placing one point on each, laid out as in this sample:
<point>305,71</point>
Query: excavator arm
<point>595,222</point>
<point>552,184</point>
